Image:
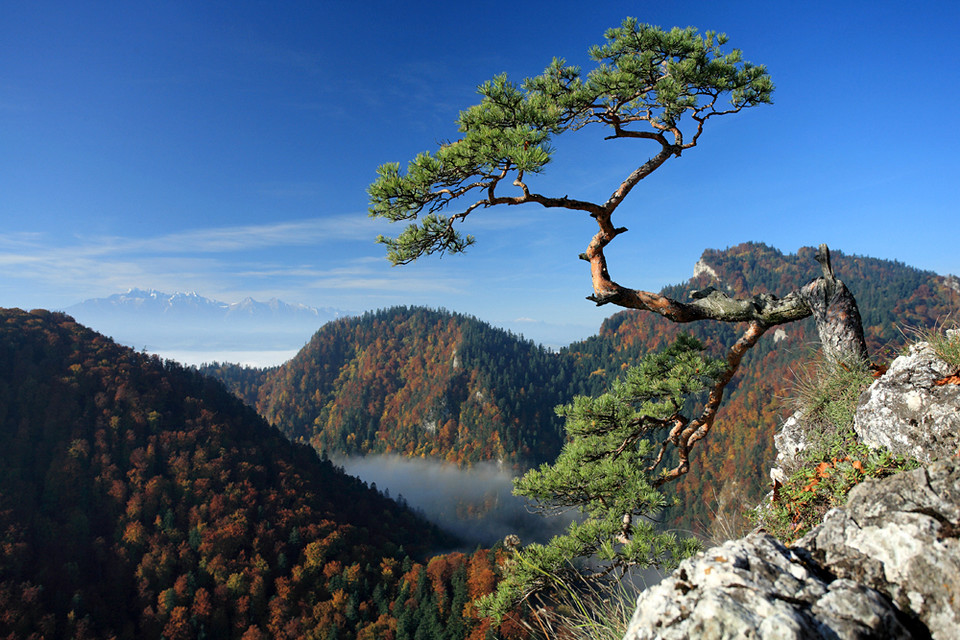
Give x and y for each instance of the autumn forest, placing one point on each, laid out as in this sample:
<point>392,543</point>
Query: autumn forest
<point>143,499</point>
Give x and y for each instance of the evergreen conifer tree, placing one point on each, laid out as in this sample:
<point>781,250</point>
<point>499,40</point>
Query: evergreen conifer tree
<point>607,471</point>
<point>660,87</point>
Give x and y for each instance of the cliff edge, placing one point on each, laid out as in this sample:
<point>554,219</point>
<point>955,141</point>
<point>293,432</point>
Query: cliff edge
<point>885,565</point>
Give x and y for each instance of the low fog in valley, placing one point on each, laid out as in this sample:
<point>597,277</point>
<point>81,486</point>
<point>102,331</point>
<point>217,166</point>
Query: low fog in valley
<point>476,504</point>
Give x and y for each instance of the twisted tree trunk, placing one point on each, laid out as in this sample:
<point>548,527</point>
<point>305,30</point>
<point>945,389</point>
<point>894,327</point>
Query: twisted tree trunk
<point>835,310</point>
<point>826,298</point>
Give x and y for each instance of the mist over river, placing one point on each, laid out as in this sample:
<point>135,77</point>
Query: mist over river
<point>476,503</point>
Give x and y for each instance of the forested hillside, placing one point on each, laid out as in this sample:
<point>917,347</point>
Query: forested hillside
<point>731,464</point>
<point>419,383</point>
<point>139,499</point>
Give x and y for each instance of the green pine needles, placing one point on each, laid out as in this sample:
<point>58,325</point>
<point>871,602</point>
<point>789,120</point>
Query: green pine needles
<point>648,83</point>
<point>605,471</point>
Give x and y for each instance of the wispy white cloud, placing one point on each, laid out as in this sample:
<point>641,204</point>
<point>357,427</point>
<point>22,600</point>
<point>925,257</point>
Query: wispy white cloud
<point>238,258</point>
<point>21,241</point>
<point>362,273</point>
<point>394,286</point>
<point>328,229</point>
<point>28,247</point>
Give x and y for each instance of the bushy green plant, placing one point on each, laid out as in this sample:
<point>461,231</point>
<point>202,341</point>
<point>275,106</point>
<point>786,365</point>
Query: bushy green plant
<point>822,481</point>
<point>834,461</point>
<point>827,395</point>
<point>585,610</point>
<point>943,338</point>
<point>604,471</point>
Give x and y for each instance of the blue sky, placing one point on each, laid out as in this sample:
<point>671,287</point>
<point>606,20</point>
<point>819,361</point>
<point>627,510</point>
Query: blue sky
<point>225,148</point>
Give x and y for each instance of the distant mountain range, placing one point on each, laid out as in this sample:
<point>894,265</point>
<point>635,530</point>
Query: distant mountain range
<point>156,321</point>
<point>195,305</point>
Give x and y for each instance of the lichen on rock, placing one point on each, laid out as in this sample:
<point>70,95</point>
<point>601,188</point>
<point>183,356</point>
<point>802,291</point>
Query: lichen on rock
<point>900,536</point>
<point>756,587</point>
<point>908,413</point>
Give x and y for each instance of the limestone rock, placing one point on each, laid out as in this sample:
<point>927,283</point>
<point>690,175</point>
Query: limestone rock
<point>907,413</point>
<point>790,440</point>
<point>899,536</point>
<point>757,588</point>
<point>703,267</point>
<point>886,565</point>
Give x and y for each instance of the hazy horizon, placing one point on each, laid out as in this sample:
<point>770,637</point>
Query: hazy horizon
<point>227,150</point>
<point>195,341</point>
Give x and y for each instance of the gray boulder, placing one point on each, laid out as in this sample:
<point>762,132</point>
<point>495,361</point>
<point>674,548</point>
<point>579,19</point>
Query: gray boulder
<point>907,413</point>
<point>887,565</point>
<point>789,441</point>
<point>899,536</point>
<point>757,588</point>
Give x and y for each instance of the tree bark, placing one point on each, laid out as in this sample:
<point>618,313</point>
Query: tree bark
<point>826,298</point>
<point>838,318</point>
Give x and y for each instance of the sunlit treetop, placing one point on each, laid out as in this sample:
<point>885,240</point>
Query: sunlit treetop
<point>648,83</point>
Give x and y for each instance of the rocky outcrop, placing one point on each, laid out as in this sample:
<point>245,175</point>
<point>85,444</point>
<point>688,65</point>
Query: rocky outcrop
<point>703,267</point>
<point>886,565</point>
<point>900,536</point>
<point>907,412</point>
<point>757,588</point>
<point>790,441</point>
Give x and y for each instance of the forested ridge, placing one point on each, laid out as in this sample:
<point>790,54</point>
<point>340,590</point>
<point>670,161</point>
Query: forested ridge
<point>139,499</point>
<point>421,382</point>
<point>731,465</point>
<point>418,382</point>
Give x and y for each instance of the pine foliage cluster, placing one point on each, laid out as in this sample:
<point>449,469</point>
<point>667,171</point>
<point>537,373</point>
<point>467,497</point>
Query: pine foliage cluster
<point>605,472</point>
<point>646,83</point>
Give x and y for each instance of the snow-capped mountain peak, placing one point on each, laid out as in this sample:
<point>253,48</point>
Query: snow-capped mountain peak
<point>189,320</point>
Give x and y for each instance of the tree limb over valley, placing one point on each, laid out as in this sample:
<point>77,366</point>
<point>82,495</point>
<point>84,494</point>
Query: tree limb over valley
<point>661,87</point>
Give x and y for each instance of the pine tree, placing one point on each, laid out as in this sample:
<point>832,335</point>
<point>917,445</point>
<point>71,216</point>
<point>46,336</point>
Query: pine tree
<point>652,85</point>
<point>607,472</point>
<point>658,88</point>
